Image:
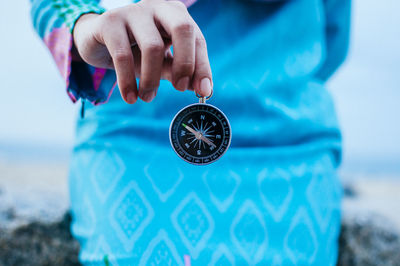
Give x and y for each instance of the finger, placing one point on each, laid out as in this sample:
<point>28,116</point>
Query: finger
<point>177,22</point>
<point>152,50</point>
<point>202,78</point>
<point>166,73</point>
<point>118,45</point>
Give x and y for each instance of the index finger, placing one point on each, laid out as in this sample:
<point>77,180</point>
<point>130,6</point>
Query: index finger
<point>118,45</point>
<point>202,77</point>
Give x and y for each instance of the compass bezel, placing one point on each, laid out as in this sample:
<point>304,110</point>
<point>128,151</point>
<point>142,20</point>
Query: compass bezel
<point>222,145</point>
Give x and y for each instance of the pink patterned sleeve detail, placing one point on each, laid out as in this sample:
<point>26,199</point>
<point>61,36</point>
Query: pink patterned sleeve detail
<point>97,77</point>
<point>59,42</point>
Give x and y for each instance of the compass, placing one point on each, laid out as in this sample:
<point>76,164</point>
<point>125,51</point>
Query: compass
<point>200,133</point>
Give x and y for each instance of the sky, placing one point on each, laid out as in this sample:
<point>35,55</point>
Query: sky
<point>35,111</point>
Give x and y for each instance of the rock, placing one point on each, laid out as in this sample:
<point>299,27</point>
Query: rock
<point>368,240</point>
<point>349,191</point>
<point>34,229</point>
<point>34,219</point>
<point>370,232</point>
<point>39,243</point>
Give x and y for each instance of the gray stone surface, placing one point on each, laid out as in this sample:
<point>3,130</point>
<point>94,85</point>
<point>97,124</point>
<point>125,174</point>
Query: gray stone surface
<point>34,224</point>
<point>33,232</point>
<point>38,243</point>
<point>368,240</point>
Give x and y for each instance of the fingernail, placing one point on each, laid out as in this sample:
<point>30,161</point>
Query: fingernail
<point>183,84</point>
<point>205,87</point>
<point>131,97</point>
<point>149,96</point>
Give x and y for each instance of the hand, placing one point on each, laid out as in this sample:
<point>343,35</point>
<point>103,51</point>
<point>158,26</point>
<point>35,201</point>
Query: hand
<point>135,40</point>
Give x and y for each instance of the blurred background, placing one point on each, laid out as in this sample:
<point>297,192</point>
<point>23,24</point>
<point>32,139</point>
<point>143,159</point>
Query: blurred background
<point>37,117</point>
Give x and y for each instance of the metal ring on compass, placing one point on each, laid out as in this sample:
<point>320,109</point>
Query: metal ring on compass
<point>208,97</point>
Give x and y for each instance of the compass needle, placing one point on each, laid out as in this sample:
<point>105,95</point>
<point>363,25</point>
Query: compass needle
<point>191,130</point>
<point>209,142</point>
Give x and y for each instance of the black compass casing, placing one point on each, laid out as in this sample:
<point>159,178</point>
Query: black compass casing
<point>200,133</point>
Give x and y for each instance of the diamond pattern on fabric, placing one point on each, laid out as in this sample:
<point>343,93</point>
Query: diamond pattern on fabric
<point>161,251</point>
<point>104,250</point>
<point>277,261</point>
<point>301,242</point>
<point>332,240</point>
<point>193,223</point>
<point>249,233</point>
<point>322,197</point>
<point>260,82</point>
<point>222,256</point>
<point>130,215</point>
<point>276,192</point>
<point>222,198</point>
<point>166,183</point>
<point>89,220</point>
<point>107,171</point>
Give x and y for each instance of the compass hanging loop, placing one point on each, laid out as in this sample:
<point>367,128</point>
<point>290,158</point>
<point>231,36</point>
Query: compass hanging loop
<point>203,99</point>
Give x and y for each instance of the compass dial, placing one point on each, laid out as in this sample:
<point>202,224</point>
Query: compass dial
<point>200,133</point>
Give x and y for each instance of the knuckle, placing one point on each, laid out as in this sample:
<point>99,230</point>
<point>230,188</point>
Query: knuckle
<point>138,8</point>
<point>178,4</point>
<point>185,68</point>
<point>121,55</point>
<point>201,41</point>
<point>149,84</point>
<point>153,47</point>
<point>184,27</point>
<point>111,16</point>
<point>203,68</point>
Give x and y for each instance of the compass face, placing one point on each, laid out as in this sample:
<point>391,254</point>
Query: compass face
<point>200,133</point>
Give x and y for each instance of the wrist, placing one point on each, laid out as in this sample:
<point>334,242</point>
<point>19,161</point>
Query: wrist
<point>80,34</point>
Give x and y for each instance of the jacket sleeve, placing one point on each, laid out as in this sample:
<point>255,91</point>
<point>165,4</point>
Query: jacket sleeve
<point>54,22</point>
<point>337,28</point>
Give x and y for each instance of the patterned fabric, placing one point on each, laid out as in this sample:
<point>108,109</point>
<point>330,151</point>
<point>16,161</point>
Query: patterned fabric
<point>272,199</point>
<point>269,209</point>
